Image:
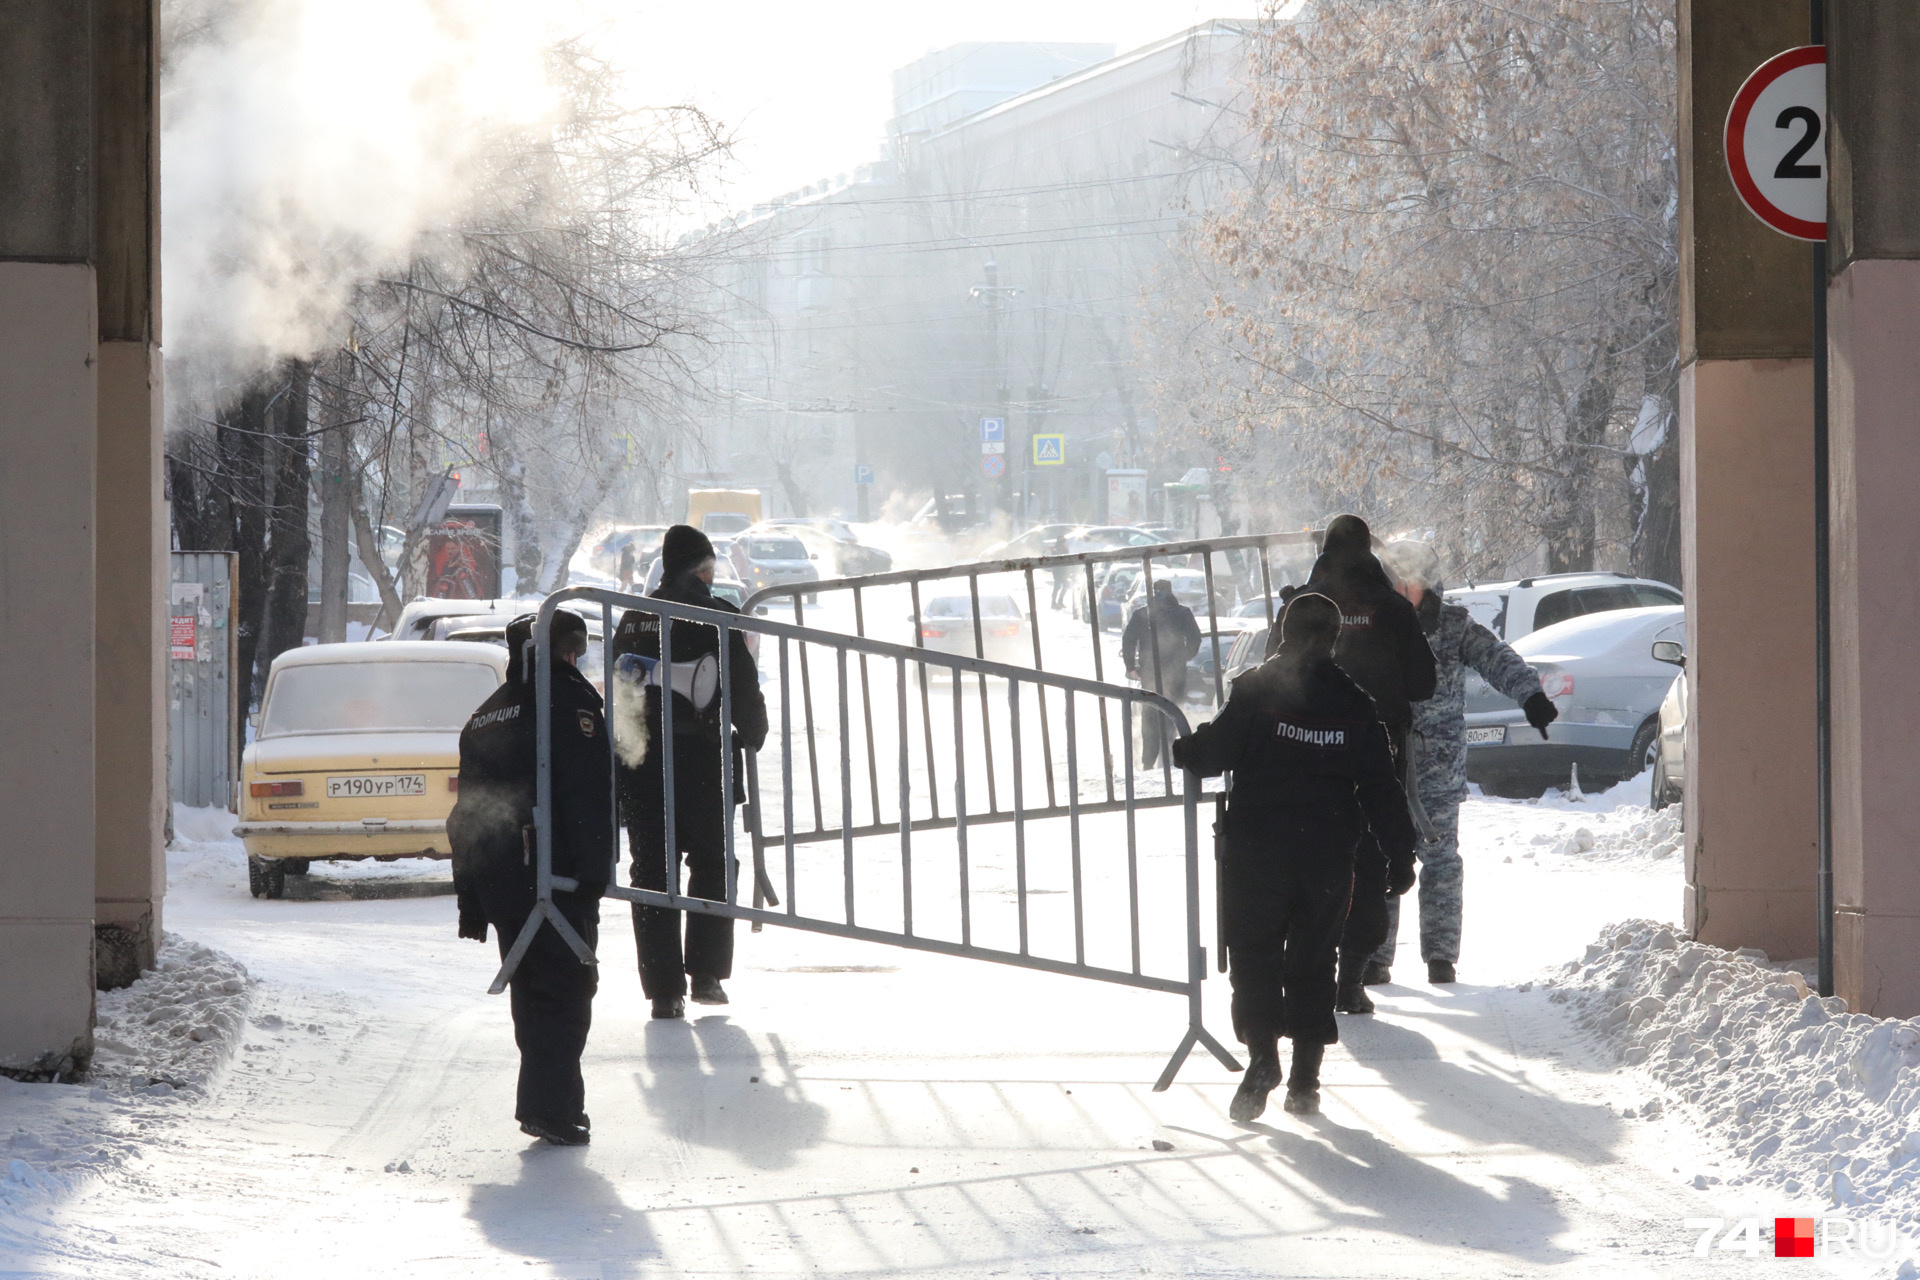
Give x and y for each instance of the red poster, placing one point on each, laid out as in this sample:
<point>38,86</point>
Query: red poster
<point>180,636</point>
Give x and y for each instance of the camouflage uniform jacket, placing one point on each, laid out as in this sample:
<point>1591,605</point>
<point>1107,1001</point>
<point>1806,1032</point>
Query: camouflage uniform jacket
<point>1458,643</point>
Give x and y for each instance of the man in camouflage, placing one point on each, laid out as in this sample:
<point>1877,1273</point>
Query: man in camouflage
<point>1439,748</point>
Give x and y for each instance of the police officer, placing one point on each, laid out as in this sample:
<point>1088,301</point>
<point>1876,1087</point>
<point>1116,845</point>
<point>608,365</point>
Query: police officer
<point>491,831</point>
<point>1438,745</point>
<point>1382,647</point>
<point>1315,788</point>
<point>1160,639</point>
<point>702,810</point>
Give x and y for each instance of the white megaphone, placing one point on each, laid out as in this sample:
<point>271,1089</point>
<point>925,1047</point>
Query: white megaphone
<point>697,679</point>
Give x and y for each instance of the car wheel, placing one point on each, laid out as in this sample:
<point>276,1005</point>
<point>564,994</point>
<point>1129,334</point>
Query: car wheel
<point>1657,791</point>
<point>269,875</point>
<point>295,866</point>
<point>1645,751</point>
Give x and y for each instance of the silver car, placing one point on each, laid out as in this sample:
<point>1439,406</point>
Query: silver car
<point>1601,674</point>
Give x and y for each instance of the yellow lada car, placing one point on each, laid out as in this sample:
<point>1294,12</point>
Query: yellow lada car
<point>357,753</point>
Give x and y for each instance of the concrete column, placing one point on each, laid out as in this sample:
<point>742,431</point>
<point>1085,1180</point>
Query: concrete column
<point>1874,318</point>
<point>1746,409</point>
<point>130,717</point>
<point>47,421</point>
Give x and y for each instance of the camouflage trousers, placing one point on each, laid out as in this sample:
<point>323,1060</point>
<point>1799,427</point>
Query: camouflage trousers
<point>1439,889</point>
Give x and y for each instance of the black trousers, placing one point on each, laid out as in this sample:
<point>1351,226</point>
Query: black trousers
<point>1288,875</point>
<point>551,994</point>
<point>1367,918</point>
<point>700,821</point>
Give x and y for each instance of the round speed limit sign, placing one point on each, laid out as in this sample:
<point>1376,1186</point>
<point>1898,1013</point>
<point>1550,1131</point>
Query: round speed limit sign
<point>1777,142</point>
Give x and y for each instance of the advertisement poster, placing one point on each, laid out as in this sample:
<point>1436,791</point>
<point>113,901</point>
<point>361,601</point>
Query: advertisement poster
<point>463,555</point>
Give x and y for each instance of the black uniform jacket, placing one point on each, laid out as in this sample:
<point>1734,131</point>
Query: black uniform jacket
<point>1298,733</point>
<point>1381,645</point>
<point>491,827</point>
<point>1172,626</point>
<point>639,632</point>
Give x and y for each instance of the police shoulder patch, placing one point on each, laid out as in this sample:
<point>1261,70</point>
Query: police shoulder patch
<point>1324,736</point>
<point>586,722</point>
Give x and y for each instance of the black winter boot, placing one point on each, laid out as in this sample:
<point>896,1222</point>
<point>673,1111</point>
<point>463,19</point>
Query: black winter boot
<point>1352,997</point>
<point>1439,972</point>
<point>1375,974</point>
<point>1262,1078</point>
<point>1303,1082</point>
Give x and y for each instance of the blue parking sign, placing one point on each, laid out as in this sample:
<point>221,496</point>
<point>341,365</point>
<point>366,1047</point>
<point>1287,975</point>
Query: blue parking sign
<point>992,429</point>
<point>862,473</point>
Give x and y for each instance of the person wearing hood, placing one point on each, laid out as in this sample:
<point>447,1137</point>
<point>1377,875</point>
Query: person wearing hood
<point>1383,648</point>
<point>1315,787</point>
<point>492,836</point>
<point>669,970</point>
<point>1438,746</point>
<point>1160,639</point>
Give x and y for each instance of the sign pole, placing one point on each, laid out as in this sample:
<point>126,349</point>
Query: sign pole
<point>1822,617</point>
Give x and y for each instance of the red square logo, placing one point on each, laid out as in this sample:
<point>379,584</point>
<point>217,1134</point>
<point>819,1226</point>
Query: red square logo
<point>1793,1237</point>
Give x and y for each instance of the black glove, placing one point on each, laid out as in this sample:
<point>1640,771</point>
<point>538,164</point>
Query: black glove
<point>1540,711</point>
<point>473,921</point>
<point>1178,751</point>
<point>1400,878</point>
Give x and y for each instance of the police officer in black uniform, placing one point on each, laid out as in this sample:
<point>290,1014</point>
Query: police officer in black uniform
<point>1315,789</point>
<point>1383,647</point>
<point>702,810</point>
<point>491,831</point>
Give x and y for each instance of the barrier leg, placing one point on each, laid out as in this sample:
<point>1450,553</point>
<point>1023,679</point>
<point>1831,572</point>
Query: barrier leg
<point>517,952</point>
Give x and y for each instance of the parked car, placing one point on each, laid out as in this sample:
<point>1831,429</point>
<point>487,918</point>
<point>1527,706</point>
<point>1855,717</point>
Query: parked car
<point>1035,542</point>
<point>1513,609</point>
<point>357,753</point>
<point>1200,667</point>
<point>1600,673</point>
<point>1670,753</point>
<point>773,559</point>
<point>946,626</point>
<point>834,555</point>
<point>493,630</point>
<point>424,618</point>
<point>1189,588</point>
<point>1111,587</point>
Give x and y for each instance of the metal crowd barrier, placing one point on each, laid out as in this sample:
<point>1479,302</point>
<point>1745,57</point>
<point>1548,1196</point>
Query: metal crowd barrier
<point>1127,914</point>
<point>1245,567</point>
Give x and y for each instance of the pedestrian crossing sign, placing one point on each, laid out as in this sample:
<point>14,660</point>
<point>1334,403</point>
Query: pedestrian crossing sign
<point>1049,451</point>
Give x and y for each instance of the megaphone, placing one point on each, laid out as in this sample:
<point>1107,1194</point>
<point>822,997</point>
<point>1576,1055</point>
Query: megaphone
<point>697,679</point>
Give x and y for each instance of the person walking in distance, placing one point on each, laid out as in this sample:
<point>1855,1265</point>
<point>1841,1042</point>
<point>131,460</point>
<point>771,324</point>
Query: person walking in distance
<point>1382,647</point>
<point>1315,787</point>
<point>669,971</point>
<point>1437,744</point>
<point>1161,638</point>
<point>491,831</point>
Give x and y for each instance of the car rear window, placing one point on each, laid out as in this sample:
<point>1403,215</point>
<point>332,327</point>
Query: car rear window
<point>1581,601</point>
<point>775,549</point>
<point>362,697</point>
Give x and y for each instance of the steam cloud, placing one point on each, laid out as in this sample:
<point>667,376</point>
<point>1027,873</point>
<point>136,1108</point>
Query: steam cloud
<point>305,143</point>
<point>627,717</point>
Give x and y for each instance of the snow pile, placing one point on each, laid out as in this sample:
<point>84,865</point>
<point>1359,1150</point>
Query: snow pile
<point>158,1043</point>
<point>1811,1099</point>
<point>176,1027</point>
<point>1623,833</point>
<point>204,850</point>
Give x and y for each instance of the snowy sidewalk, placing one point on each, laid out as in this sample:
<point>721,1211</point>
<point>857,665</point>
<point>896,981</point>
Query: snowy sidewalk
<point>863,1111</point>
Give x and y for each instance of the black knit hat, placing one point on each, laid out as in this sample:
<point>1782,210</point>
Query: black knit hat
<point>682,549</point>
<point>569,631</point>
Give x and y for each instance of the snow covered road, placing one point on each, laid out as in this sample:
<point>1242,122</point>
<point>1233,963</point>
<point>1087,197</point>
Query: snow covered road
<point>866,1111</point>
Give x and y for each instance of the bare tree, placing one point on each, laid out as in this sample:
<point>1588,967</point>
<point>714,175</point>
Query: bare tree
<point>1446,291</point>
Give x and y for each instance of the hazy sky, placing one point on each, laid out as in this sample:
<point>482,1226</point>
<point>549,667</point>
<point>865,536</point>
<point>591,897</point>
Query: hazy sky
<point>807,87</point>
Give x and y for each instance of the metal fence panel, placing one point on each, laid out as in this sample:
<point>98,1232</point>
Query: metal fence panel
<point>202,721</point>
<point>1016,883</point>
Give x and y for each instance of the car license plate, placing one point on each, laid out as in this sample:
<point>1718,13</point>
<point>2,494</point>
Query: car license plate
<point>372,786</point>
<point>1483,737</point>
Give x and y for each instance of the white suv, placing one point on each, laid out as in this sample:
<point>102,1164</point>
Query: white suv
<point>1514,609</point>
